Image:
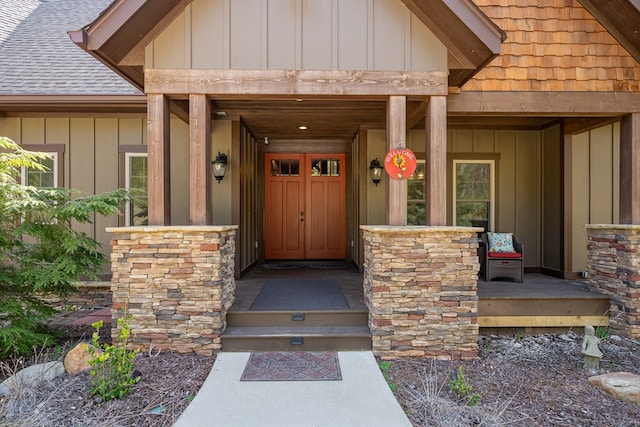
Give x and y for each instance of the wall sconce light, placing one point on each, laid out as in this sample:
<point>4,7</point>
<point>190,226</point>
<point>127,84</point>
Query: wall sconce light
<point>375,170</point>
<point>219,166</point>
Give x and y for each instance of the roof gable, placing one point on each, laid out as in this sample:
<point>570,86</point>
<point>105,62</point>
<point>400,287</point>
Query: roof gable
<point>119,36</point>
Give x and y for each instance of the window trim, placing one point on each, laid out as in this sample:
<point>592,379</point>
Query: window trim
<point>128,155</point>
<point>57,152</point>
<point>492,190</point>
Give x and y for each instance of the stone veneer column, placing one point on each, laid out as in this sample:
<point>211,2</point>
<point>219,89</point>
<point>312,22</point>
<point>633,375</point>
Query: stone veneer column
<point>613,267</point>
<point>420,284</point>
<point>177,283</point>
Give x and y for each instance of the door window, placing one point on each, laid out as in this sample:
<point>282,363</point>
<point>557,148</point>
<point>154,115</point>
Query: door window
<point>325,167</point>
<point>285,167</point>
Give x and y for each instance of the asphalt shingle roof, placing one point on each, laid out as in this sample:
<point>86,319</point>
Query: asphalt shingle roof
<point>37,57</point>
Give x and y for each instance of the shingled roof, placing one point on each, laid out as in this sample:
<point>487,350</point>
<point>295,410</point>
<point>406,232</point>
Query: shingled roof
<point>38,58</point>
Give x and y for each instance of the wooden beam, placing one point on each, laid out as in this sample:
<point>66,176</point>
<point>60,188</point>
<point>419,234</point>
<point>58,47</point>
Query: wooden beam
<point>363,179</point>
<point>436,158</point>
<point>199,160</point>
<point>396,195</point>
<point>630,169</point>
<point>545,103</point>
<point>159,181</point>
<point>417,116</point>
<point>462,27</point>
<point>541,321</point>
<point>295,82</point>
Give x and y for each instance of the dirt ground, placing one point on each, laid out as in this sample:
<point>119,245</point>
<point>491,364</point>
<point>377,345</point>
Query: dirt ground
<point>518,381</point>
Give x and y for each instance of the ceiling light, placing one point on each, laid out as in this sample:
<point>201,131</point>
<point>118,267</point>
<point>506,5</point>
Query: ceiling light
<point>221,113</point>
<point>303,127</point>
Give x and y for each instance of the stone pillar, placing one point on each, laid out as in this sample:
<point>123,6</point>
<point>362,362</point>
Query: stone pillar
<point>420,284</point>
<point>613,268</point>
<point>177,283</point>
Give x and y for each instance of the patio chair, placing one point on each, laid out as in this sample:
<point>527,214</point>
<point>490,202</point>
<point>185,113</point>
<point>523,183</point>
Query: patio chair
<point>502,257</point>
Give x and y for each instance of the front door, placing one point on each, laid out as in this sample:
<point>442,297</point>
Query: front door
<point>305,206</point>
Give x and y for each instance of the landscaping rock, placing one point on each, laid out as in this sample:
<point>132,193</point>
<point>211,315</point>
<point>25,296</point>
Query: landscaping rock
<point>77,360</point>
<point>622,385</point>
<point>32,375</point>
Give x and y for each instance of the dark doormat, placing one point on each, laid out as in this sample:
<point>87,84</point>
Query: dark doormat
<point>300,294</point>
<point>292,366</point>
<point>318,265</point>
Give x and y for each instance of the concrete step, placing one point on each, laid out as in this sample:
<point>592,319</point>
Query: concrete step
<point>297,318</point>
<point>296,338</point>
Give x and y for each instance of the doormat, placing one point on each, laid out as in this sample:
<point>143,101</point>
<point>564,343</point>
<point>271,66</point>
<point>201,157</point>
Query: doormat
<point>297,265</point>
<point>300,294</point>
<point>292,366</point>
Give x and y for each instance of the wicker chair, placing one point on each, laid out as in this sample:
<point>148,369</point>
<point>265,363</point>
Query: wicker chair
<point>502,264</point>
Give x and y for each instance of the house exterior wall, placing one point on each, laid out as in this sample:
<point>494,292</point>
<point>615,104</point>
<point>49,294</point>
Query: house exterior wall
<point>297,34</point>
<point>595,181</point>
<point>91,160</point>
<point>518,178</point>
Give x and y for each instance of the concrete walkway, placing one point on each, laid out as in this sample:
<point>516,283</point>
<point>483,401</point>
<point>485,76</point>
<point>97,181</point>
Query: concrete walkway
<point>361,398</point>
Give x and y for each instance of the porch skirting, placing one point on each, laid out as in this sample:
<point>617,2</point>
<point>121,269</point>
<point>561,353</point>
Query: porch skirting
<point>420,284</point>
<point>177,283</point>
<point>613,268</point>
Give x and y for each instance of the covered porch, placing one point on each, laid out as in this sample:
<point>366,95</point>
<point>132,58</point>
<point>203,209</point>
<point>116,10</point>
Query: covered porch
<point>541,303</point>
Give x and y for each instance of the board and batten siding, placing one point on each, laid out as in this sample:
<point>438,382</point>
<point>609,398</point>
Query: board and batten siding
<point>377,35</point>
<point>518,178</point>
<point>91,158</point>
<point>595,183</point>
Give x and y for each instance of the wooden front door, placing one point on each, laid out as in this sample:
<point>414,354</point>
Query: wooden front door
<point>305,206</point>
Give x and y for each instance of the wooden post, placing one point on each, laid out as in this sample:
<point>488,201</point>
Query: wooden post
<point>199,160</point>
<point>436,161</point>
<point>159,181</point>
<point>630,169</point>
<point>396,137</point>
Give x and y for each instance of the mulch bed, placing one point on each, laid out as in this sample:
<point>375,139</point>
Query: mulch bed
<point>523,381</point>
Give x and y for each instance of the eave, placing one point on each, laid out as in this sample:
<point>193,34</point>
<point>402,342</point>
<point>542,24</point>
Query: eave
<point>72,104</point>
<point>621,18</point>
<point>120,34</point>
<point>471,38</point>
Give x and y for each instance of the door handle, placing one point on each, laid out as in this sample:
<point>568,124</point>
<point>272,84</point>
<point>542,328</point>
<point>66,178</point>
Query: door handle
<point>301,216</point>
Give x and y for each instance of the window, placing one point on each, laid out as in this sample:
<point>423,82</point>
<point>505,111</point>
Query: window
<point>473,197</point>
<point>136,211</point>
<point>416,214</point>
<point>47,178</point>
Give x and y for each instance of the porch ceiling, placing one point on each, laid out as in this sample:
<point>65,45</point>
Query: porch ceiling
<point>341,119</point>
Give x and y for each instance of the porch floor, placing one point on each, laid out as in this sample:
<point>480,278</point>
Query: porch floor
<point>540,302</point>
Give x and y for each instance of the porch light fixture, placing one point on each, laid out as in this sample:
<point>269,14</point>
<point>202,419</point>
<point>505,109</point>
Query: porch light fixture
<point>219,166</point>
<point>375,170</point>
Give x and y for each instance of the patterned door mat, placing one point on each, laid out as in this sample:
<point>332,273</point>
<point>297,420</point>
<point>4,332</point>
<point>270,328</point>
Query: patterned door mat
<point>292,366</point>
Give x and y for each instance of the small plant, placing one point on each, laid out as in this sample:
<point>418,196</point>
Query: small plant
<point>487,346</point>
<point>385,367</point>
<point>112,372</point>
<point>602,332</point>
<point>461,388</point>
